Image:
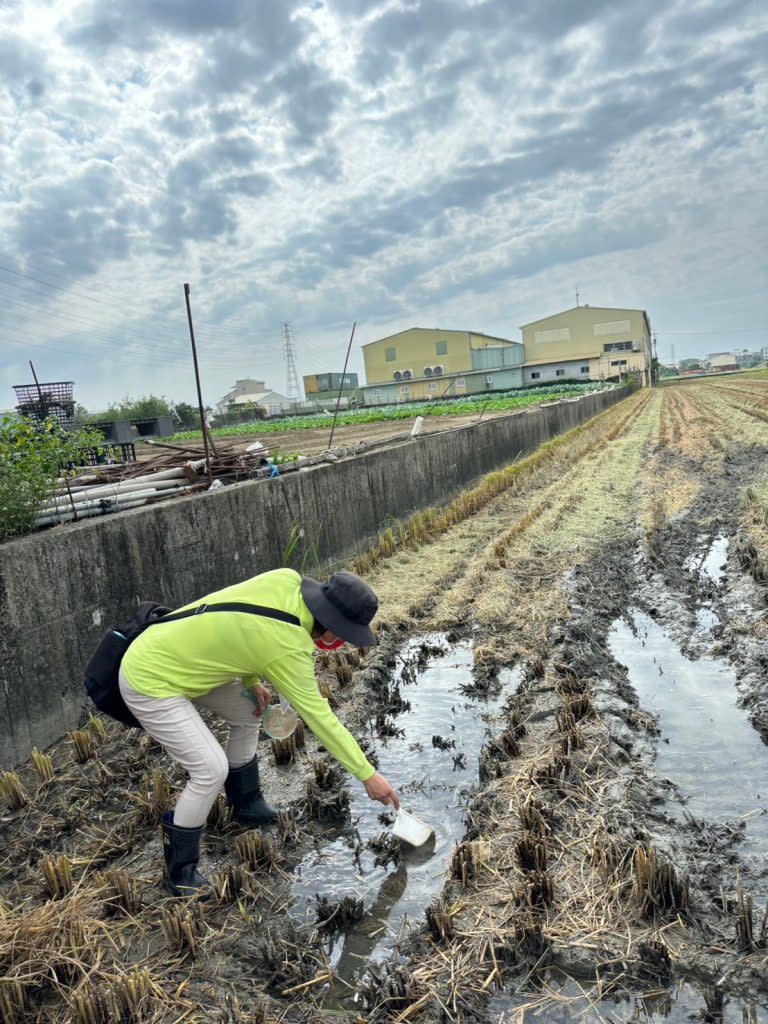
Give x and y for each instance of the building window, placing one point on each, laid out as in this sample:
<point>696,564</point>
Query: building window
<point>535,375</point>
<point>560,373</point>
<point>377,392</point>
<point>441,348</point>
<point>460,382</point>
<point>432,386</point>
<point>618,362</point>
<point>618,346</point>
<point>390,355</point>
<point>404,389</point>
<point>584,369</point>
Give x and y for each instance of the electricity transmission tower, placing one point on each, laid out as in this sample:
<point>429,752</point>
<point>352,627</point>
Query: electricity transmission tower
<point>293,388</point>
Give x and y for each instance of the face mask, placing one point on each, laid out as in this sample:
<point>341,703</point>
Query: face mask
<point>321,645</point>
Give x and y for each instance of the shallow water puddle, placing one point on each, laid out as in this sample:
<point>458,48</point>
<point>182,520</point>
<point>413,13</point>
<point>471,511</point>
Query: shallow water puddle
<point>711,566</point>
<point>707,746</point>
<point>569,1002</point>
<point>433,784</point>
<point>712,561</point>
<point>715,560</point>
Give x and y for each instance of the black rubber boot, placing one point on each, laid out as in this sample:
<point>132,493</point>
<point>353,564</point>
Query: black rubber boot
<point>244,793</point>
<point>181,847</point>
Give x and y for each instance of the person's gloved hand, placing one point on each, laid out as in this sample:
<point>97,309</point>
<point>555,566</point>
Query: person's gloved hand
<point>379,789</point>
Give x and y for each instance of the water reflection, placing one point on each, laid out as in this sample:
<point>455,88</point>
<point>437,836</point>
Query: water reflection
<point>432,759</point>
<point>565,1001</point>
<point>707,747</point>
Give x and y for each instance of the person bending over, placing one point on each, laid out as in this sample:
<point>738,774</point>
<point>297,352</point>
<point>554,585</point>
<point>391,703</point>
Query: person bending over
<point>172,669</point>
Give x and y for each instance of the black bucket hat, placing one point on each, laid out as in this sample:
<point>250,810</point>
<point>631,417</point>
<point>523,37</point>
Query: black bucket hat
<point>344,604</point>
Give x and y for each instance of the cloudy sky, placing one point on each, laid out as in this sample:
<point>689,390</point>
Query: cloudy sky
<point>447,163</point>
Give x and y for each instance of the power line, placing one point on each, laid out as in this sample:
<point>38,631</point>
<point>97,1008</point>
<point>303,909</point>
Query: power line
<point>67,287</point>
<point>121,302</point>
<point>723,333</point>
<point>75,310</point>
<point>266,332</point>
<point>114,322</point>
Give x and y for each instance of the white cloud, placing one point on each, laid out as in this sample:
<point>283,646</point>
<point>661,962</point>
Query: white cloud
<point>432,162</point>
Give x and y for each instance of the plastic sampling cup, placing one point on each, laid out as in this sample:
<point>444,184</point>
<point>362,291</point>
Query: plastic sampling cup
<point>277,720</point>
<point>411,830</point>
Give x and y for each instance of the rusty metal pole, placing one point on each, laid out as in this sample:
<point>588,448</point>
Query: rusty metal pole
<point>37,382</point>
<point>66,479</point>
<point>341,383</point>
<point>197,381</point>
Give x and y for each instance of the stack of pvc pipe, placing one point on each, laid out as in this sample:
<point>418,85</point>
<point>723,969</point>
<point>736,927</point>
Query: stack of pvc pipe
<point>81,501</point>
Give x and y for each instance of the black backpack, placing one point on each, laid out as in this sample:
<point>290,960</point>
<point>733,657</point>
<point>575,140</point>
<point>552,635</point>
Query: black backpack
<point>102,671</point>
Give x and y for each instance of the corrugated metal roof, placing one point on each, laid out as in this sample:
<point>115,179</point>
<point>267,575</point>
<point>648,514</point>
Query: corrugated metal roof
<point>605,309</point>
<point>443,330</point>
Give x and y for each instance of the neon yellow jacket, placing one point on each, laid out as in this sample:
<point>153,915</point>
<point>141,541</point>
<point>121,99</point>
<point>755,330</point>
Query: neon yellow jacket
<point>193,656</point>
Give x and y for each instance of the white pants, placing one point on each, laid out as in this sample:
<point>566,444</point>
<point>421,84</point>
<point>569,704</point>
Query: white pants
<point>177,726</point>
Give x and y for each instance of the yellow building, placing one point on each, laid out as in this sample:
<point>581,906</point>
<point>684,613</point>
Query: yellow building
<point>424,362</point>
<point>588,343</point>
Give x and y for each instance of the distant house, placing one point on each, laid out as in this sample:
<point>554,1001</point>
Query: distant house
<point>248,391</point>
<point>721,361</point>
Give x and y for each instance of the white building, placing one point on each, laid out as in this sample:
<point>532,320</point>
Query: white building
<point>722,361</point>
<point>248,391</point>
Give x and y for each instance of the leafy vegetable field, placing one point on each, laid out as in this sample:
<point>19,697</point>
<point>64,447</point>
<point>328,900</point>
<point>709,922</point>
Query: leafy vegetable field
<point>497,402</point>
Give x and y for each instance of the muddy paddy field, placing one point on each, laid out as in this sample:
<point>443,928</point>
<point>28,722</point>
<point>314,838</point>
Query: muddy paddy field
<point>570,686</point>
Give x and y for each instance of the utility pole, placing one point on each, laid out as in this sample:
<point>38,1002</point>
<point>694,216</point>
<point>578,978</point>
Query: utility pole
<point>341,385</point>
<point>203,424</point>
<point>293,388</point>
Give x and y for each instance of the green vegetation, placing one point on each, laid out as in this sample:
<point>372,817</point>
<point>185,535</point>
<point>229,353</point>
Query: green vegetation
<point>32,457</point>
<point>141,408</point>
<point>496,402</point>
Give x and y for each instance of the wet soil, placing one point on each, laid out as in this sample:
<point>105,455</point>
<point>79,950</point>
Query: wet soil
<point>636,738</point>
<point>667,636</point>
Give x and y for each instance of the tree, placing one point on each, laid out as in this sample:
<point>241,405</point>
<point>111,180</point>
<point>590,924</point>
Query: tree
<point>690,364</point>
<point>189,415</point>
<point>32,457</point>
<point>141,408</point>
<point>659,370</point>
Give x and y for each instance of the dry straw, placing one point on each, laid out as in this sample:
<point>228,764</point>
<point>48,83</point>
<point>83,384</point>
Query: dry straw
<point>284,751</point>
<point>659,892</point>
<point>426,525</point>
<point>57,875</point>
<point>219,816</point>
<point>96,726</point>
<point>121,891</point>
<point>751,933</point>
<point>42,764</point>
<point>232,882</point>
<point>12,791</point>
<point>84,743</point>
<point>155,796</point>
<point>255,850</point>
<point>118,997</point>
<point>183,925</point>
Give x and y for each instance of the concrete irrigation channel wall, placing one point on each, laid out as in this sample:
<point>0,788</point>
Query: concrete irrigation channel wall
<point>60,589</point>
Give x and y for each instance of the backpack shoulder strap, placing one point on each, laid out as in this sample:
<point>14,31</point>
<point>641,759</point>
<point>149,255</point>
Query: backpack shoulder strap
<point>231,606</point>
